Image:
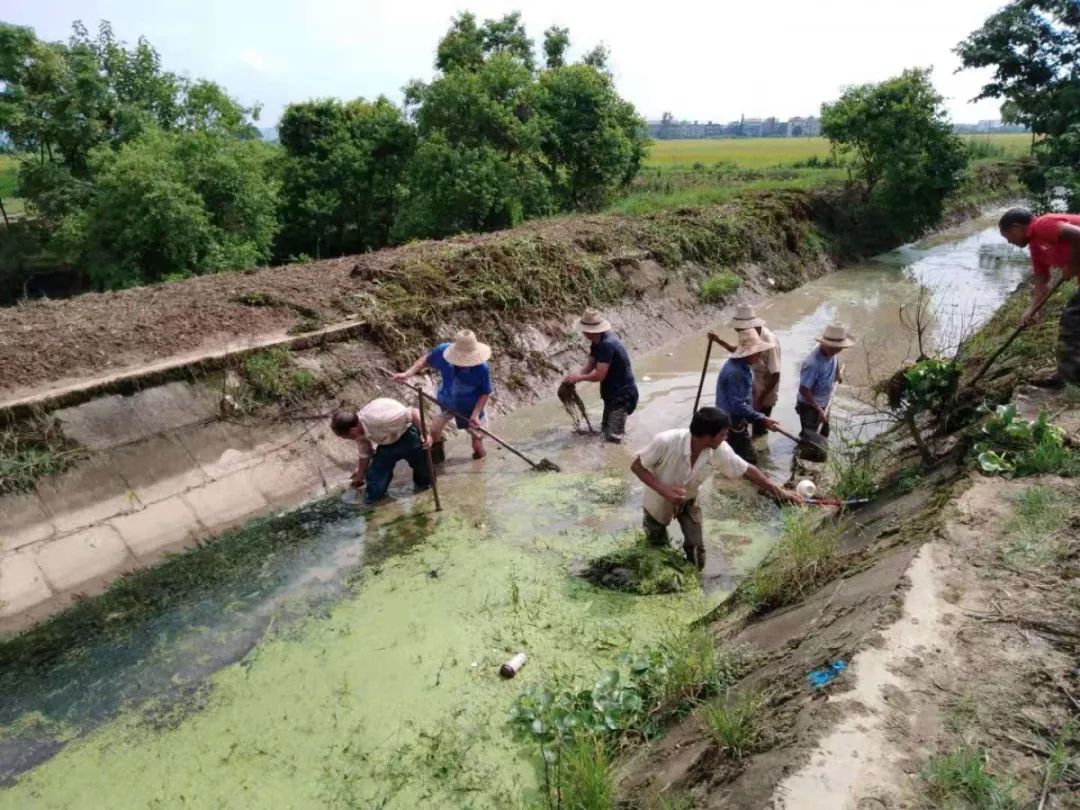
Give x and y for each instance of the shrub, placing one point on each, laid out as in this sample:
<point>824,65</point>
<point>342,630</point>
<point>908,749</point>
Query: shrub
<point>719,285</point>
<point>1014,446</point>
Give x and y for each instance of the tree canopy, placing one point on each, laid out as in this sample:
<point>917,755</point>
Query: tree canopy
<point>1033,47</point>
<point>902,145</point>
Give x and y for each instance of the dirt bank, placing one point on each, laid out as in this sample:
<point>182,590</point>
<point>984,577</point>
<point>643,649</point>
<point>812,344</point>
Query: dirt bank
<point>953,604</point>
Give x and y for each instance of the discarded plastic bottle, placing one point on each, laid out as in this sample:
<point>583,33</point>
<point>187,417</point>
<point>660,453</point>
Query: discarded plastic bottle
<point>513,666</point>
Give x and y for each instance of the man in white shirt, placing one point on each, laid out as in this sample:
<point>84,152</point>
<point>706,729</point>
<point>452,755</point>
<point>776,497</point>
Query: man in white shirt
<point>385,432</point>
<point>675,464</point>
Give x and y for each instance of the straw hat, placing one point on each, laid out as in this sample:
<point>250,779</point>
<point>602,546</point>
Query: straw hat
<point>592,322</point>
<point>745,318</point>
<point>466,350</point>
<point>836,336</point>
<point>750,343</point>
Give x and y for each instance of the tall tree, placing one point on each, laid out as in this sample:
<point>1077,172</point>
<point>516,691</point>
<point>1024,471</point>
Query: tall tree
<point>341,170</point>
<point>556,43</point>
<point>902,144</point>
<point>1033,47</point>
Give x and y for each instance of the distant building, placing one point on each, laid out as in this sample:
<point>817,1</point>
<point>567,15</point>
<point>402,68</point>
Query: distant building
<point>770,127</point>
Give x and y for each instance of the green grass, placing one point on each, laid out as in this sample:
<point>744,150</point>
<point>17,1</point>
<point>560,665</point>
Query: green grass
<point>1035,529</point>
<point>960,780</point>
<point>717,193</point>
<point>586,775</point>
<point>273,376</point>
<point>762,152</point>
<point>717,286</point>
<point>9,183</point>
<point>33,450</point>
<point>851,467</point>
<point>736,725</point>
<point>804,556</point>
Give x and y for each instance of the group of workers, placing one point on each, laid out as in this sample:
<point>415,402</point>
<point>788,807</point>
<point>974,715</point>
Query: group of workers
<point>676,462</point>
<point>672,466</point>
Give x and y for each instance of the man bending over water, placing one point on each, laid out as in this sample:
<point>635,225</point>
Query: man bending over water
<point>673,467</point>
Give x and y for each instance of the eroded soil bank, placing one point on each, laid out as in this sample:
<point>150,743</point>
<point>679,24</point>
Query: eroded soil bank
<point>339,659</point>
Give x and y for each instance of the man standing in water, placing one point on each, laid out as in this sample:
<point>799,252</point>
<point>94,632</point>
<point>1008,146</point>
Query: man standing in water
<point>818,376</point>
<point>465,388</point>
<point>1054,240</point>
<point>734,391</point>
<point>609,365</point>
<point>675,464</point>
<point>766,366</point>
<point>385,432</point>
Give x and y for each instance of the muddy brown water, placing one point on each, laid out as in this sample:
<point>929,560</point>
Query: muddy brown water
<point>360,668</point>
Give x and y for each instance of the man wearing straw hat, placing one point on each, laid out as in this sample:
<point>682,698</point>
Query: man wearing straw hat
<point>609,365</point>
<point>766,366</point>
<point>734,394</point>
<point>465,388</point>
<point>818,376</point>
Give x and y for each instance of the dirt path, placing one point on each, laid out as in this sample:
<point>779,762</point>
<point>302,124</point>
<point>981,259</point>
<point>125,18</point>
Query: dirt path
<point>979,667</point>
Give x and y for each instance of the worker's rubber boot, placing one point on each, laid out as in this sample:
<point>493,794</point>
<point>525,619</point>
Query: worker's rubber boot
<point>438,452</point>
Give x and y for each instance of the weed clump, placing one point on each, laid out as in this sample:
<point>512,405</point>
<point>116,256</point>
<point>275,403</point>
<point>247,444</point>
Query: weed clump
<point>805,555</point>
<point>1014,446</point>
<point>851,470</point>
<point>1039,529</point>
<point>736,724</point>
<point>274,376</point>
<point>718,286</point>
<point>33,450</point>
<point>643,569</point>
<point>959,779</point>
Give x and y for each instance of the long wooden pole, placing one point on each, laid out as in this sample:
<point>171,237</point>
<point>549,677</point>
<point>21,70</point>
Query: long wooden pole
<point>704,371</point>
<point>427,453</point>
<point>1016,332</point>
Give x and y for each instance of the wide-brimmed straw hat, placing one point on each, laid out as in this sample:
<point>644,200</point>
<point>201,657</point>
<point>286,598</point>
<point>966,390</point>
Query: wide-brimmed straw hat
<point>836,336</point>
<point>750,343</point>
<point>466,350</point>
<point>592,322</point>
<point>745,318</point>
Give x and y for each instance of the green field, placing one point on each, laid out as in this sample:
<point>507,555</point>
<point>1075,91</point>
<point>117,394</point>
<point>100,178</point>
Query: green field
<point>756,153</point>
<point>9,182</point>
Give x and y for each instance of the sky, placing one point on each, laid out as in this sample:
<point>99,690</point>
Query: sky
<point>702,61</point>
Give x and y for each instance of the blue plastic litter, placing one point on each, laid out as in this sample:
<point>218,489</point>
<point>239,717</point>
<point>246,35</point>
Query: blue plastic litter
<point>820,677</point>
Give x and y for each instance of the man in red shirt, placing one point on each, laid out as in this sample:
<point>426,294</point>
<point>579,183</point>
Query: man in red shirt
<point>1054,241</point>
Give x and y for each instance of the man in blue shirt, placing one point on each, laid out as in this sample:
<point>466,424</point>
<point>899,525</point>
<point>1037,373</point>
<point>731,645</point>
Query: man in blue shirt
<point>609,365</point>
<point>818,376</point>
<point>465,388</point>
<point>734,394</point>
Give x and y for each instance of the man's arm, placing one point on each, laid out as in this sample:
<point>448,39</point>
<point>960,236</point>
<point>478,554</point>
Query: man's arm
<point>357,477</point>
<point>808,397</point>
<point>595,374</point>
<point>762,482</point>
<point>717,339</point>
<point>580,376</point>
<point>412,370</point>
<point>474,417</point>
<point>675,495</point>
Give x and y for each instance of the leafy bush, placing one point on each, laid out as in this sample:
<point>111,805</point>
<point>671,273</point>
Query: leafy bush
<point>717,286</point>
<point>1014,446</point>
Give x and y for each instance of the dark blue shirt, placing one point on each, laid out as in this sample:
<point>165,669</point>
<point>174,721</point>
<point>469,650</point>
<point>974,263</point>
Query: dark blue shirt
<point>619,381</point>
<point>734,389</point>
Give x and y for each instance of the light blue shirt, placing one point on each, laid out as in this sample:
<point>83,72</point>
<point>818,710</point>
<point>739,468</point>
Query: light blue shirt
<point>818,373</point>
